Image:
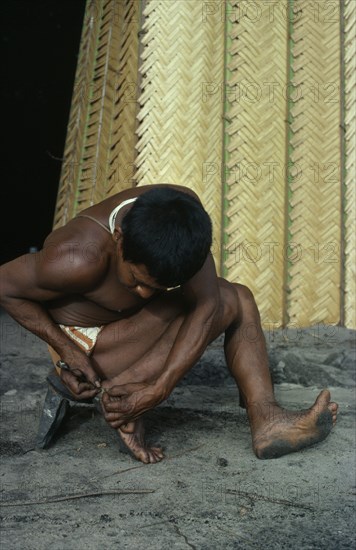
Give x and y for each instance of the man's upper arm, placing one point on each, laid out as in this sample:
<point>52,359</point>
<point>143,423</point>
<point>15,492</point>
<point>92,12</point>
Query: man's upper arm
<point>203,288</point>
<point>45,276</point>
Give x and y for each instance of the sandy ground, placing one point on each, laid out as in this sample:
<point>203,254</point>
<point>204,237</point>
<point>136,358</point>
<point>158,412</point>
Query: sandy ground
<point>211,492</point>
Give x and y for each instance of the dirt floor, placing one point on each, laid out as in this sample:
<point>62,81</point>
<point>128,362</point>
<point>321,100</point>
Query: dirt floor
<point>211,492</point>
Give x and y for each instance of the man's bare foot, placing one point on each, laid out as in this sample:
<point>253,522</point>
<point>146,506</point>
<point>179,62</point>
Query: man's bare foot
<point>132,435</point>
<point>276,431</point>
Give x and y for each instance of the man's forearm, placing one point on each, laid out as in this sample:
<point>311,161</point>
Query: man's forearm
<point>139,394</point>
<point>34,317</point>
<point>192,339</point>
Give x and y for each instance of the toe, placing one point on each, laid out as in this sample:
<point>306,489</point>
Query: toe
<point>323,399</point>
<point>144,456</point>
<point>158,451</point>
<point>153,457</point>
<point>333,408</point>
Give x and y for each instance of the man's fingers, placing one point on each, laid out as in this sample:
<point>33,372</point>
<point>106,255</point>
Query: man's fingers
<point>126,389</point>
<point>88,376</point>
<point>87,394</point>
<point>114,403</point>
<point>120,406</point>
<point>84,386</point>
<point>95,380</point>
<point>70,381</point>
<point>80,390</point>
<point>113,417</point>
<point>117,392</point>
<point>116,425</point>
<point>113,406</point>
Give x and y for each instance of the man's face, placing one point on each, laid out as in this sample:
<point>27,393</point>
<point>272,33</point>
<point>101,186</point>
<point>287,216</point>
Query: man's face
<point>137,280</point>
<point>135,277</point>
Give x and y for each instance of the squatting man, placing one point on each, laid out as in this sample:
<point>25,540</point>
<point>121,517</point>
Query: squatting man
<point>127,296</point>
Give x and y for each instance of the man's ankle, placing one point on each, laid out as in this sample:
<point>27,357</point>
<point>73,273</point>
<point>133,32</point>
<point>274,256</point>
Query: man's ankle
<point>262,409</point>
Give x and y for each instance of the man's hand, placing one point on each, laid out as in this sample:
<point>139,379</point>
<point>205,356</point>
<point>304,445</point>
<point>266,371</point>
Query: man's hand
<point>125,403</point>
<point>79,388</point>
<point>80,377</point>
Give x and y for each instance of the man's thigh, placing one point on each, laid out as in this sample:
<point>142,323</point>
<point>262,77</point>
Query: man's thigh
<point>144,340</point>
<point>146,334</point>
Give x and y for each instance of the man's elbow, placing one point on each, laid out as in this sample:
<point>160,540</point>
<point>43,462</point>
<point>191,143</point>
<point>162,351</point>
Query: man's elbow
<point>6,287</point>
<point>3,287</point>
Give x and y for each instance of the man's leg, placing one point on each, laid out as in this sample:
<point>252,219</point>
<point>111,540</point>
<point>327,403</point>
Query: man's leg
<point>135,349</point>
<point>275,431</point>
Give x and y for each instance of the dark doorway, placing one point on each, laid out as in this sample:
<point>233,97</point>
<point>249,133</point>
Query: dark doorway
<point>40,43</point>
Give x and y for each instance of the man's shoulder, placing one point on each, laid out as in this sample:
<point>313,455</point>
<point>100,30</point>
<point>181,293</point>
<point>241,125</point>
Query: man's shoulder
<point>74,255</point>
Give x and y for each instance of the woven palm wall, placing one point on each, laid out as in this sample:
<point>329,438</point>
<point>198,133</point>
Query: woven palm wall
<point>252,105</point>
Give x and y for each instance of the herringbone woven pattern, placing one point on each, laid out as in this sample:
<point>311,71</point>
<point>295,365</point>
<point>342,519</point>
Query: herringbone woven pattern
<point>350,148</point>
<point>92,181</point>
<point>256,146</point>
<point>121,170</point>
<point>180,118</point>
<point>316,197</point>
<point>72,164</point>
<point>153,102</point>
<point>106,112</point>
<point>100,142</point>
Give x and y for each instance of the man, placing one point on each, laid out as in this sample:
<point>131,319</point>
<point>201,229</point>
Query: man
<point>99,294</point>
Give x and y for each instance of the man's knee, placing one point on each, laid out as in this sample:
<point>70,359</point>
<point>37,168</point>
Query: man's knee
<point>248,307</point>
<point>229,301</point>
<point>247,310</point>
<point>244,293</point>
<point>236,291</point>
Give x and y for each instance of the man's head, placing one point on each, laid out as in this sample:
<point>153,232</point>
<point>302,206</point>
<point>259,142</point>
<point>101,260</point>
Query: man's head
<point>169,232</point>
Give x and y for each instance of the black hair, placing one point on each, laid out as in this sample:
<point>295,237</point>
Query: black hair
<point>169,232</point>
